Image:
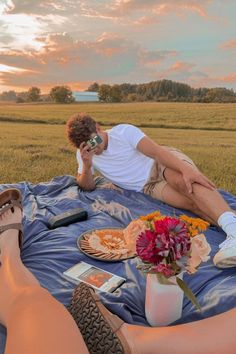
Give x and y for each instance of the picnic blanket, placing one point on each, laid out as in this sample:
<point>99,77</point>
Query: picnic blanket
<point>48,253</point>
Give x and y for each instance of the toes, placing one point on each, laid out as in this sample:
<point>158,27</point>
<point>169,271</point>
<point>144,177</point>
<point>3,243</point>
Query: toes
<point>6,214</point>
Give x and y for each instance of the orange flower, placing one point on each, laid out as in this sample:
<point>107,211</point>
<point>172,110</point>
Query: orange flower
<point>195,225</point>
<point>152,216</point>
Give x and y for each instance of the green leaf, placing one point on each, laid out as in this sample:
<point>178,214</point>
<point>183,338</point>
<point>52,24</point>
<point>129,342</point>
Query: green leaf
<point>188,292</point>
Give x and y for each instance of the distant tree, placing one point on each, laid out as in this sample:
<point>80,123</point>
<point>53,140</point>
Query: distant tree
<point>132,97</point>
<point>93,87</point>
<point>104,93</point>
<point>22,97</point>
<point>61,94</point>
<point>45,97</point>
<point>33,94</point>
<point>8,96</point>
<point>115,94</point>
<point>126,89</point>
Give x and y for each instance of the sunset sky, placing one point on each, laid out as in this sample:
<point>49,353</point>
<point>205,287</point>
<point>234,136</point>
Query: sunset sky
<point>69,42</point>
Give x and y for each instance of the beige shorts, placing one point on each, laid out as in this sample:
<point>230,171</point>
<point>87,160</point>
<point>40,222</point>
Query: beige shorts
<point>156,181</point>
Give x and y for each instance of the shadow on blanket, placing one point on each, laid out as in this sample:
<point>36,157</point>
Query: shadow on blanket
<point>48,253</point>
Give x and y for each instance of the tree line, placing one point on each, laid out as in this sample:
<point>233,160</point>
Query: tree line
<point>157,91</point>
<point>162,91</point>
<point>58,94</point>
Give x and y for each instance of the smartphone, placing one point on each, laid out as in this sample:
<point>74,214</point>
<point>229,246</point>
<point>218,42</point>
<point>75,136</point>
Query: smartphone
<point>94,141</point>
<point>96,277</point>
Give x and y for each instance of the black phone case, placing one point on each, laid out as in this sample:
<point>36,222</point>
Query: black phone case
<point>67,218</point>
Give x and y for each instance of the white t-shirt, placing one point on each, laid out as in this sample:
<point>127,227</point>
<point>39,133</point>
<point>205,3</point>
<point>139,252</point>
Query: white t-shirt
<point>121,162</point>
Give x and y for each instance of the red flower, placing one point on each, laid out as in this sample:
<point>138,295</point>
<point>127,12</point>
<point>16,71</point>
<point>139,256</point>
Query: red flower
<point>167,243</point>
<point>146,247</point>
<point>165,269</point>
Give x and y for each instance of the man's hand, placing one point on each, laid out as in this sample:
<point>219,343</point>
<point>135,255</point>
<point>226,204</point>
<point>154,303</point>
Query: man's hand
<point>192,175</point>
<point>86,155</point>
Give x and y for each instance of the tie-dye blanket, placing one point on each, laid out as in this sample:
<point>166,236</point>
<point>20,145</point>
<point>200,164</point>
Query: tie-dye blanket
<point>48,253</point>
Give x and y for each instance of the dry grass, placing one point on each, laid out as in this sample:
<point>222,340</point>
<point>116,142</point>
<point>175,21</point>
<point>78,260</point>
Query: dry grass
<point>39,152</point>
<point>173,115</point>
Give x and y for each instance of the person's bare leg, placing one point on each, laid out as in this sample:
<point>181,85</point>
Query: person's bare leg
<point>174,198</point>
<point>209,202</point>
<point>36,322</point>
<point>200,337</point>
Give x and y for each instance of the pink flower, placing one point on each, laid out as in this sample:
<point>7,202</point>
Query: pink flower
<point>200,250</point>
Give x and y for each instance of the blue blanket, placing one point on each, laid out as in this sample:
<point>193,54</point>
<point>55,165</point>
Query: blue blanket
<point>48,253</point>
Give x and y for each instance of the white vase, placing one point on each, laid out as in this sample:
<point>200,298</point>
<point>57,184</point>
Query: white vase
<point>163,302</point>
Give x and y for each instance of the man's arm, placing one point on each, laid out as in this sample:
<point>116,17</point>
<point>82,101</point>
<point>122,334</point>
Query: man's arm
<point>86,180</point>
<point>161,155</point>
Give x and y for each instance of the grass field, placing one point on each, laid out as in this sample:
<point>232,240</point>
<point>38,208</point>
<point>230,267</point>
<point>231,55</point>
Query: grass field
<point>38,152</point>
<point>159,115</point>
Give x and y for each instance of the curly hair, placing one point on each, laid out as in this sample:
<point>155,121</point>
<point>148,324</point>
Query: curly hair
<point>80,126</point>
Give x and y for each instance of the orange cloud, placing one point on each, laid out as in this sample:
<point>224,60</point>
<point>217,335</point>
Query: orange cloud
<point>229,44</point>
<point>181,66</point>
<point>214,81</point>
<point>146,20</point>
<point>147,10</point>
<point>62,60</point>
<point>172,6</point>
<point>153,58</point>
<point>230,78</point>
<point>125,7</point>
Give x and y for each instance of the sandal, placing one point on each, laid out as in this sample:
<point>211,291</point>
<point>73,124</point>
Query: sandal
<point>99,327</point>
<point>8,199</point>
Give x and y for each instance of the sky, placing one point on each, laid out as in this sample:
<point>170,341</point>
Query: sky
<point>45,43</point>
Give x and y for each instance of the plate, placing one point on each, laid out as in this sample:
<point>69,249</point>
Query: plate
<point>105,244</point>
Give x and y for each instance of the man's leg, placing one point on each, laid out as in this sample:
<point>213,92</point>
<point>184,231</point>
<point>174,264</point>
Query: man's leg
<point>172,197</point>
<point>210,203</point>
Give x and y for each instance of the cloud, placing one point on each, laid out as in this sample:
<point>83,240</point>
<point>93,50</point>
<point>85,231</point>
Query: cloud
<point>114,41</point>
<point>230,78</point>
<point>121,8</point>
<point>153,58</point>
<point>231,44</point>
<point>106,9</point>
<point>183,72</point>
<point>110,58</point>
<point>146,20</point>
<point>180,66</point>
<point>228,81</point>
<point>40,7</point>
<point>162,7</point>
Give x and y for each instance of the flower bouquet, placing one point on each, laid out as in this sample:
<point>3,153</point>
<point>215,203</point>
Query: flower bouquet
<point>167,247</point>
